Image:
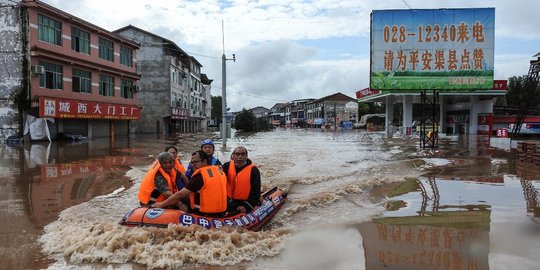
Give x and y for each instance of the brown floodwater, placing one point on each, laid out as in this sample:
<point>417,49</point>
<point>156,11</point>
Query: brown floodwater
<point>465,205</point>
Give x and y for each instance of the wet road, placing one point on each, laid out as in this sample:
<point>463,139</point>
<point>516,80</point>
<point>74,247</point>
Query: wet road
<point>465,206</point>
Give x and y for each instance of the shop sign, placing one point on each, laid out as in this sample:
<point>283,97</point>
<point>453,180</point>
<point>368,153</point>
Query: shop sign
<point>68,108</point>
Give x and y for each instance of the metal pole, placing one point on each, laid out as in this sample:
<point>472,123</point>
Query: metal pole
<point>224,100</point>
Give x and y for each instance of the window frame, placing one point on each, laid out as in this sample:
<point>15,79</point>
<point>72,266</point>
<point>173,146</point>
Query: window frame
<point>80,81</point>
<point>106,49</point>
<point>106,85</point>
<point>49,30</point>
<point>126,89</point>
<point>126,56</point>
<point>53,77</point>
<point>80,40</point>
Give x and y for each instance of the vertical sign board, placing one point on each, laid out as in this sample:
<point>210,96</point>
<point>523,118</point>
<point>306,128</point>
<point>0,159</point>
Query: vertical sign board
<point>485,124</point>
<point>441,49</point>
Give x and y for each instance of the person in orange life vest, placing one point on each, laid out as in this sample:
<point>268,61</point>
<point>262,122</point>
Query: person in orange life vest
<point>208,147</point>
<point>243,182</point>
<point>159,182</point>
<point>206,190</point>
<point>181,178</point>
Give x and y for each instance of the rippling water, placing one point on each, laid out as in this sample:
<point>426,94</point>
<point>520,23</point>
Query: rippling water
<point>335,217</point>
<point>325,173</point>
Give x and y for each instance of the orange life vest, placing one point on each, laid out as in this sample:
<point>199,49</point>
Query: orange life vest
<point>213,194</point>
<point>178,165</point>
<point>148,185</point>
<point>239,184</point>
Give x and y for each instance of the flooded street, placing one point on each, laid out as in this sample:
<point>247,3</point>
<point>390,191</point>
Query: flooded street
<point>357,200</point>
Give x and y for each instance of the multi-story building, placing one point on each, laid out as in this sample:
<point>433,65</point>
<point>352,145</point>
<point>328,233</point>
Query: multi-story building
<point>278,114</point>
<point>11,75</point>
<point>331,111</point>
<point>168,76</point>
<point>78,76</point>
<point>295,114</point>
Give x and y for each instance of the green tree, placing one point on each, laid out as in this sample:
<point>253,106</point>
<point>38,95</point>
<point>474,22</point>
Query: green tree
<point>245,121</point>
<point>517,93</point>
<point>363,108</point>
<point>217,112</point>
<point>248,122</point>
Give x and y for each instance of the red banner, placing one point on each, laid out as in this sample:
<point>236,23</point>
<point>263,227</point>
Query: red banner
<point>67,108</point>
<point>366,92</point>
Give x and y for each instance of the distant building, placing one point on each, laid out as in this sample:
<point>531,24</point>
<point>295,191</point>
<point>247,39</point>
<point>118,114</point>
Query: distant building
<point>295,113</point>
<point>278,114</point>
<point>263,113</point>
<point>175,96</point>
<point>79,76</point>
<point>260,112</point>
<point>331,111</point>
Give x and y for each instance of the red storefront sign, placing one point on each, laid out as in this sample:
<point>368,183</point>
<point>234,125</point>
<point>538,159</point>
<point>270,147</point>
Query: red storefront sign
<point>500,84</point>
<point>68,108</point>
<point>366,92</point>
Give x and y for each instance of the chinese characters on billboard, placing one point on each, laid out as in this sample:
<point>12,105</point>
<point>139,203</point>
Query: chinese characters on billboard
<point>443,49</point>
<point>66,108</point>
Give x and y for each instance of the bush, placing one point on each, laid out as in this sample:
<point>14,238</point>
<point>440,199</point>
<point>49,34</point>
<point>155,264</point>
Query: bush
<point>246,121</point>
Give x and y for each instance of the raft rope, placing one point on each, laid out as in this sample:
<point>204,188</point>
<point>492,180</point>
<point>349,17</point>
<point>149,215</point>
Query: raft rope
<point>142,218</point>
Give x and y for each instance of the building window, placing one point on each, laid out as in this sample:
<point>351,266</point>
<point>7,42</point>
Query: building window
<point>106,85</point>
<point>49,30</point>
<point>127,89</point>
<point>80,40</point>
<point>82,81</point>
<point>126,56</point>
<point>53,76</point>
<point>174,98</point>
<point>106,49</point>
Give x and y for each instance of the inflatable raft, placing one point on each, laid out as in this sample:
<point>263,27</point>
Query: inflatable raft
<point>273,200</point>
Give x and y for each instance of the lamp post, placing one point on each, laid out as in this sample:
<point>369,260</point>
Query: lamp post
<point>224,90</point>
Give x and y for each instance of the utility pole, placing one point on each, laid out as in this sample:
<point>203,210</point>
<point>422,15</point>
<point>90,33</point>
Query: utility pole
<point>224,89</point>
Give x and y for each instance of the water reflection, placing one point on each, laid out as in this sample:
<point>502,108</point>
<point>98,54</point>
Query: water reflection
<point>447,220</point>
<point>40,180</point>
<point>528,170</point>
<point>439,236</point>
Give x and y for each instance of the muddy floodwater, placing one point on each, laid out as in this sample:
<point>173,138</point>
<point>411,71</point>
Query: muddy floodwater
<point>356,200</point>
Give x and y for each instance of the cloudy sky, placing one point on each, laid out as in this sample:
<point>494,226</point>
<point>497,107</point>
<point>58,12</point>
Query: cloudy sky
<point>294,49</point>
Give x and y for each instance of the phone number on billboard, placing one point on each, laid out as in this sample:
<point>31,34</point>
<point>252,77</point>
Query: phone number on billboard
<point>427,33</point>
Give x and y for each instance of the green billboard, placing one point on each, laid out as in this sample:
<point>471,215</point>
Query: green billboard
<point>441,49</point>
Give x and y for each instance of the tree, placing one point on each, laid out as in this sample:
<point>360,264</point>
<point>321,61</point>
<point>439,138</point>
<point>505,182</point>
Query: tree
<point>217,112</point>
<point>246,121</point>
<point>516,94</point>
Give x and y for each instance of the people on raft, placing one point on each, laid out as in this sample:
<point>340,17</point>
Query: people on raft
<point>208,147</point>
<point>159,183</point>
<point>206,192</point>
<point>243,182</point>
<point>181,178</point>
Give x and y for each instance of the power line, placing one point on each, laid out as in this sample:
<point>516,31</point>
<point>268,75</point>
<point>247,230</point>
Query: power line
<point>202,55</point>
<point>252,95</point>
<point>405,2</point>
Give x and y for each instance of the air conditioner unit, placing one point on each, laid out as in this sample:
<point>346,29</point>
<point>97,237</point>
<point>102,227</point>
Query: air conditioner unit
<point>135,88</point>
<point>38,70</point>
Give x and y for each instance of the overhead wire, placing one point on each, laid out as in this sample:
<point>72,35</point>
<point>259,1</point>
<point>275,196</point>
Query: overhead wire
<point>405,2</point>
<point>252,95</point>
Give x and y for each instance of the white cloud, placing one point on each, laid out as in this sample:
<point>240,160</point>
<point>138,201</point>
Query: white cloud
<point>269,39</point>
